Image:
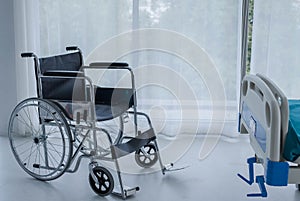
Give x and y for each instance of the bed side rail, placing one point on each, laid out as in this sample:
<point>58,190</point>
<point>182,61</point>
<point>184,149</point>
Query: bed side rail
<point>260,106</point>
<point>283,104</point>
<point>264,107</point>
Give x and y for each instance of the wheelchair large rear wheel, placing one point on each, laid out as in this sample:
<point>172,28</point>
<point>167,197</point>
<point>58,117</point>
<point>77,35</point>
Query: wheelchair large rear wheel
<point>40,138</point>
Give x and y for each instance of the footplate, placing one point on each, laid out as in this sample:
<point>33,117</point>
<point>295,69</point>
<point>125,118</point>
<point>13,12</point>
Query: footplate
<point>134,144</point>
<point>126,192</point>
<point>170,168</point>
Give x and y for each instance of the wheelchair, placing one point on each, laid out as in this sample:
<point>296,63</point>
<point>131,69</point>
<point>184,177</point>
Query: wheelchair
<point>71,119</point>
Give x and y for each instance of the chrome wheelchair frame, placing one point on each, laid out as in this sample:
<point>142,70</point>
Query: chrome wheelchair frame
<point>47,142</point>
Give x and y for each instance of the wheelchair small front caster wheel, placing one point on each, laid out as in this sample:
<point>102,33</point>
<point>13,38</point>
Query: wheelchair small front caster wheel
<point>105,182</point>
<point>146,156</point>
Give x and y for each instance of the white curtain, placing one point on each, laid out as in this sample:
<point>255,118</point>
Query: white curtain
<point>26,21</point>
<point>214,27</point>
<point>276,43</point>
<point>210,26</point>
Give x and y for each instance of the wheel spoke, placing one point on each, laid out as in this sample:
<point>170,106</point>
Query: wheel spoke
<point>43,151</point>
<point>23,143</point>
<point>24,123</point>
<point>105,185</point>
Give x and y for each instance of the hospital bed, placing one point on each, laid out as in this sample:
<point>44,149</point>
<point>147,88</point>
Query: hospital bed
<point>72,118</point>
<point>273,124</point>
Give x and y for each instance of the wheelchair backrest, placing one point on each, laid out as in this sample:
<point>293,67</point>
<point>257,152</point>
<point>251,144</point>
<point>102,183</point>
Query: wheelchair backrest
<point>61,88</point>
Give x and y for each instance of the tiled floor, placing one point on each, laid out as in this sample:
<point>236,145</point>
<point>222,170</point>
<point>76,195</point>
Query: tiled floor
<point>211,179</point>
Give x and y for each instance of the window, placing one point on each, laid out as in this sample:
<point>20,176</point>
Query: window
<point>211,26</point>
<point>275,48</point>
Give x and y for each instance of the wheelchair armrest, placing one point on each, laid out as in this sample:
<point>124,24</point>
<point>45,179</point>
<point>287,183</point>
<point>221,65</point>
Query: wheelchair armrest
<point>56,73</point>
<point>109,64</point>
<point>116,66</point>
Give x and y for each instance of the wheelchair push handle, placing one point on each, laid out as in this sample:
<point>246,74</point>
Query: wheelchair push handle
<point>27,54</point>
<point>72,48</point>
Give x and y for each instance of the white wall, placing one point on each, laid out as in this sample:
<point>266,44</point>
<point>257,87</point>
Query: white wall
<point>7,64</point>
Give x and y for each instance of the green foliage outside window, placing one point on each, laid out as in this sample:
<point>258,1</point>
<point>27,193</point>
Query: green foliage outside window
<point>250,26</point>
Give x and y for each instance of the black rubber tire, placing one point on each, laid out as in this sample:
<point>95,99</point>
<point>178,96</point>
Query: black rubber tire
<point>105,179</point>
<point>147,161</point>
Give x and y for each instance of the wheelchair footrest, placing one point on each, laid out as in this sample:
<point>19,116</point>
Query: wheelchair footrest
<point>133,144</point>
<point>170,168</point>
<point>127,191</point>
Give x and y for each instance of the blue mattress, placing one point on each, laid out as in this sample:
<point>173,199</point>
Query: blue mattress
<point>292,143</point>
